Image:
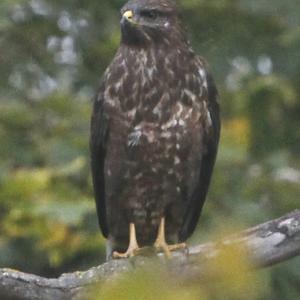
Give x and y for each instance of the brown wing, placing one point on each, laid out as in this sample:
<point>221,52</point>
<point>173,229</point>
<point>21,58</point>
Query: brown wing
<point>98,139</point>
<point>199,191</point>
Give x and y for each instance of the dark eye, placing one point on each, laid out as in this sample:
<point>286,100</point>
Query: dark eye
<point>150,14</point>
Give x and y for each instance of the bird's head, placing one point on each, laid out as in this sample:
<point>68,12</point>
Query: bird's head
<point>148,21</point>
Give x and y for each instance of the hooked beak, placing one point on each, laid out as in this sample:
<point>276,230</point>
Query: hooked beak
<point>129,17</point>
<point>132,31</point>
<point>128,14</point>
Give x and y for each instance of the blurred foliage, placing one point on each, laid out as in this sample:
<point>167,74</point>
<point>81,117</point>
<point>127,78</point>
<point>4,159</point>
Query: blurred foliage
<point>52,55</point>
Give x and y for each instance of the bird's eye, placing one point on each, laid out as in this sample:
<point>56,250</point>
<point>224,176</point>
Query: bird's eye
<point>150,14</point>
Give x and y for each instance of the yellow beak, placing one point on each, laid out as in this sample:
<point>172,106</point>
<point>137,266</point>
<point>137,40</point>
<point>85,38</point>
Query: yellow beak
<point>128,15</point>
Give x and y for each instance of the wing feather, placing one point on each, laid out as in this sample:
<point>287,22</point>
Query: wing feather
<point>199,191</point>
<point>98,140</point>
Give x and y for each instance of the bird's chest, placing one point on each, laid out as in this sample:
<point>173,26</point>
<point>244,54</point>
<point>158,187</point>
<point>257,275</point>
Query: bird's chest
<point>154,114</point>
<point>161,130</point>
<point>157,151</point>
<point>153,121</point>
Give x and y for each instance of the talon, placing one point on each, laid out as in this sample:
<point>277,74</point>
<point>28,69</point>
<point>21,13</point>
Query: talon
<point>161,244</point>
<point>178,247</point>
<point>133,248</point>
<point>127,254</point>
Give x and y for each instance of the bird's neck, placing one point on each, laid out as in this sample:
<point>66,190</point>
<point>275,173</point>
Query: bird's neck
<point>157,54</point>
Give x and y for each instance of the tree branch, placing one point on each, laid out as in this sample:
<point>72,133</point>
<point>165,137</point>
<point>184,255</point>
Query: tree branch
<point>267,244</point>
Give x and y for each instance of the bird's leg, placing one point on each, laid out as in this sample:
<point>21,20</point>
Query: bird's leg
<point>133,245</point>
<point>161,244</point>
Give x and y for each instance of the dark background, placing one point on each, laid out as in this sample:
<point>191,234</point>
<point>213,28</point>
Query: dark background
<point>52,55</point>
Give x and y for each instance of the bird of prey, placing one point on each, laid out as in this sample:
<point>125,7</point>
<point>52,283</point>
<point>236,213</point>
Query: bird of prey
<point>154,134</point>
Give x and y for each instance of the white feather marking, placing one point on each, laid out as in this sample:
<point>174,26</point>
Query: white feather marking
<point>150,137</point>
<point>181,122</point>
<point>134,138</point>
<point>189,113</point>
<point>151,71</point>
<point>202,74</point>
<point>154,170</point>
<point>176,160</point>
<point>166,134</point>
<point>157,111</point>
<point>118,85</point>
<point>132,113</point>
<point>138,176</point>
<point>209,119</point>
<point>190,94</point>
<point>180,109</point>
<point>169,124</point>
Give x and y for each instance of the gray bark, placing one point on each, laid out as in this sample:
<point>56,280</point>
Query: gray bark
<point>267,244</point>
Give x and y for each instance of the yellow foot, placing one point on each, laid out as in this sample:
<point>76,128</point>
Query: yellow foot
<point>133,248</point>
<point>161,244</point>
<point>144,251</point>
<point>167,249</point>
<point>129,253</point>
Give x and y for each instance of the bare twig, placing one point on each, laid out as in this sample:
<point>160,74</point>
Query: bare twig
<point>268,243</point>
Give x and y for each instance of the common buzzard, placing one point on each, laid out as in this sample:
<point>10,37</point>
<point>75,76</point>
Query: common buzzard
<point>154,133</point>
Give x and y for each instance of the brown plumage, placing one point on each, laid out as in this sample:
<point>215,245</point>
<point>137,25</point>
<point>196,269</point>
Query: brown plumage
<point>154,130</point>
